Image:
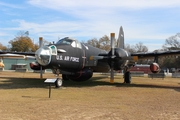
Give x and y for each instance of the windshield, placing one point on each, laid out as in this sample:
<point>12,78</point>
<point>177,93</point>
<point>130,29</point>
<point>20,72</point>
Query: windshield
<point>69,41</point>
<point>65,40</point>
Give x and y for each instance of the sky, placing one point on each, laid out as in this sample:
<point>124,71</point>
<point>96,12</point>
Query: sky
<point>149,22</point>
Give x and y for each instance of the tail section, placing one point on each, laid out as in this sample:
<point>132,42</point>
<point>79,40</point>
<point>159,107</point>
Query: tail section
<point>120,40</point>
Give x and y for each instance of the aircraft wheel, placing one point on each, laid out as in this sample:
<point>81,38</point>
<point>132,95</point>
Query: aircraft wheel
<point>127,77</point>
<point>58,82</point>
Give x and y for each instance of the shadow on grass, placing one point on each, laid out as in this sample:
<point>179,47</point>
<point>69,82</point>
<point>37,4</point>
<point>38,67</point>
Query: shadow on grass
<point>20,83</point>
<point>16,83</point>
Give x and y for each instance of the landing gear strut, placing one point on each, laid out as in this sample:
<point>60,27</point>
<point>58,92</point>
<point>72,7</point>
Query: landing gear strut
<point>127,77</point>
<point>59,81</point>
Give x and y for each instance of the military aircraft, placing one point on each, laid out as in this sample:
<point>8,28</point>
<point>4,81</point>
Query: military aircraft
<point>77,61</point>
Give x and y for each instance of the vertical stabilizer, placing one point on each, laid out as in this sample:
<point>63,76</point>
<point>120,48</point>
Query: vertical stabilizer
<point>120,40</point>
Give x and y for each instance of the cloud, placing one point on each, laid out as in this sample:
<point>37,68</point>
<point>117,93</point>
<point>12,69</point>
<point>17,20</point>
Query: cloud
<point>60,28</point>
<point>135,4</point>
<point>3,34</point>
<point>93,9</point>
<point>85,30</point>
<point>109,13</point>
<point>142,20</point>
<point>10,5</point>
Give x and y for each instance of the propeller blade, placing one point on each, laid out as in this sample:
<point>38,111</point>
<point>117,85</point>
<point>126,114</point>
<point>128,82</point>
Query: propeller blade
<point>112,57</point>
<point>112,73</point>
<point>40,42</point>
<point>41,72</point>
<point>112,43</point>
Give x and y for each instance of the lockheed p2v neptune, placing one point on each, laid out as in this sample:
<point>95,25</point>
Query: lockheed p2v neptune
<point>77,61</point>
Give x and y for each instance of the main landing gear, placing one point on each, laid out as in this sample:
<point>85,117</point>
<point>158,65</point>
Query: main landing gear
<point>127,77</point>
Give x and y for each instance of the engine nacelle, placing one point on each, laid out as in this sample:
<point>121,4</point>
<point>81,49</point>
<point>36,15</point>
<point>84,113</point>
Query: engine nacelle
<point>154,67</point>
<point>83,75</point>
<point>122,58</point>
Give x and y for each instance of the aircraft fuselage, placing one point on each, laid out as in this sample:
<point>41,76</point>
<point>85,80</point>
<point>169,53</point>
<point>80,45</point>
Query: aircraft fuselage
<point>69,55</point>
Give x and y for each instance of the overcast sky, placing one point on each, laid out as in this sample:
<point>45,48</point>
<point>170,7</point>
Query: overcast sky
<point>149,22</point>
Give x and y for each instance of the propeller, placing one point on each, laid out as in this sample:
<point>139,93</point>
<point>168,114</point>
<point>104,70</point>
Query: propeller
<point>112,58</point>
<point>41,45</point>
<point>117,55</point>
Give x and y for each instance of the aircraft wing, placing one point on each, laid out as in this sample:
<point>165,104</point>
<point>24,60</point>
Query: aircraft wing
<point>17,55</point>
<point>147,55</point>
<point>139,56</point>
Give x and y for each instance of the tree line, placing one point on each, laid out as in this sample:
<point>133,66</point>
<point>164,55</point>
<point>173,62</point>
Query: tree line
<point>23,43</point>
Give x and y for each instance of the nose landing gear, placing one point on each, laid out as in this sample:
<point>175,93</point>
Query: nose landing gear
<point>58,83</point>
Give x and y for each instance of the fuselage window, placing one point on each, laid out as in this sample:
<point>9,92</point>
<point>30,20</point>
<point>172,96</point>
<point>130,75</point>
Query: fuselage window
<point>79,45</point>
<point>53,50</point>
<point>73,44</point>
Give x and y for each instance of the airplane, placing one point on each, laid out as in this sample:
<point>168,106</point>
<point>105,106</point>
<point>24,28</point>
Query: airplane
<point>77,61</point>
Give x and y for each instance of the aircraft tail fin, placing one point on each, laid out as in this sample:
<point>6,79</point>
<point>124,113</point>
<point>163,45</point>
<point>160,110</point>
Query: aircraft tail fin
<point>120,40</point>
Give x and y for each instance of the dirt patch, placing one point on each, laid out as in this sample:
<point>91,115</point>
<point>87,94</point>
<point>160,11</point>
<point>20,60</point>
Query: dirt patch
<point>26,97</point>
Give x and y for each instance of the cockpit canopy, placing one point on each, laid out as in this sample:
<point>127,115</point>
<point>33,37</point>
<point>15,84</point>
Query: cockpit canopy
<point>69,41</point>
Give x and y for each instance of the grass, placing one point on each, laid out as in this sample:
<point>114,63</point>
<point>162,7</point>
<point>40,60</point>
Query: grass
<point>25,96</point>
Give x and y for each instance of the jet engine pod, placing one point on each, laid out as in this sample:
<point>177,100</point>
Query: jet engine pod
<point>154,67</point>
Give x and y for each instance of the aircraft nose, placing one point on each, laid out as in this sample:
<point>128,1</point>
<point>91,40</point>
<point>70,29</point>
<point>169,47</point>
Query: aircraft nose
<point>43,55</point>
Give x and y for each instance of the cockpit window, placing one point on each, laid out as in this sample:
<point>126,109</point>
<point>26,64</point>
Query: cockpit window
<point>69,41</point>
<point>73,44</point>
<point>53,50</point>
<point>66,41</point>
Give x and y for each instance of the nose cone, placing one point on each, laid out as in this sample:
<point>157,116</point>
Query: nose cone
<point>43,55</point>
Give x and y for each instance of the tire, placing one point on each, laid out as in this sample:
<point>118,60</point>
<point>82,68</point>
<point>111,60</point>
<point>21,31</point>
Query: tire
<point>58,82</point>
<point>127,77</point>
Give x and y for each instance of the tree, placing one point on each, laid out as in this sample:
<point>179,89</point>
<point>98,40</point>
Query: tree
<point>94,42</point>
<point>170,62</point>
<point>172,43</point>
<point>103,43</point>
<point>129,48</point>
<point>139,47</point>
<point>23,43</point>
<point>3,47</point>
